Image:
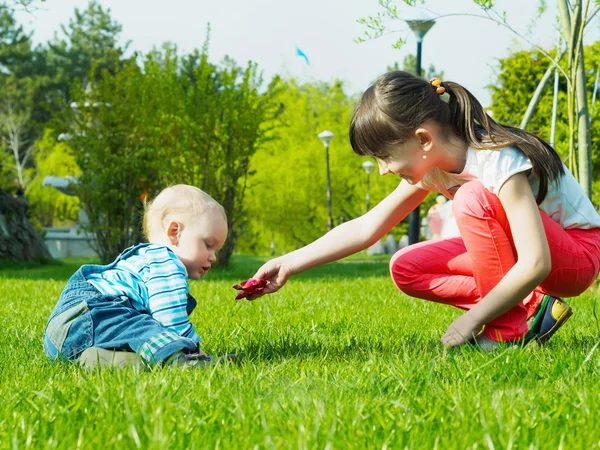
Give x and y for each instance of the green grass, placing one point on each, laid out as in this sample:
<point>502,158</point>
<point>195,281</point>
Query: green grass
<point>338,359</point>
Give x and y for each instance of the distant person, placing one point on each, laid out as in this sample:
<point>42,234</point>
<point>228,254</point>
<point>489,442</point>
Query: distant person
<point>435,220</point>
<point>135,311</point>
<point>449,225</point>
<point>529,234</point>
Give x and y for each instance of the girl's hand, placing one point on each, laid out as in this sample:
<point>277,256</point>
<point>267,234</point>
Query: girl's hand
<point>276,273</point>
<point>463,329</point>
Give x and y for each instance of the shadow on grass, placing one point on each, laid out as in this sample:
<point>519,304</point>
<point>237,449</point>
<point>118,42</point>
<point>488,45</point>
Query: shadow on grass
<point>240,268</point>
<point>288,347</point>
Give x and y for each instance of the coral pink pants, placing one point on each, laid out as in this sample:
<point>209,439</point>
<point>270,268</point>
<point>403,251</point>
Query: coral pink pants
<point>460,271</point>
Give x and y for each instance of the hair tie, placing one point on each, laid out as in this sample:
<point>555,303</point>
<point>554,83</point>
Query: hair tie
<point>436,83</point>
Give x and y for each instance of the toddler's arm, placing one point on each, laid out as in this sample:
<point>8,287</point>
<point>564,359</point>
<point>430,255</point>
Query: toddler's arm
<point>167,286</point>
<point>346,239</point>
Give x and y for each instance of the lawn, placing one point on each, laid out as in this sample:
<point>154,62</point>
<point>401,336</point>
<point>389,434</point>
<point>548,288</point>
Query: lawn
<point>338,359</point>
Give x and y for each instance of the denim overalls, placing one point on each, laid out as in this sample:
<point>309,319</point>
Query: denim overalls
<point>83,317</point>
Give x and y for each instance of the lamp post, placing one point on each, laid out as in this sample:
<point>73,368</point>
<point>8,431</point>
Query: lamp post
<point>325,137</point>
<point>368,166</point>
<point>420,27</point>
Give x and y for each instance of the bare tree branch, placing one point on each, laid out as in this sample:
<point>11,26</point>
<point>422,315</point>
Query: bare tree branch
<point>14,125</point>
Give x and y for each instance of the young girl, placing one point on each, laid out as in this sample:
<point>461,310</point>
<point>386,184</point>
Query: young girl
<point>529,234</point>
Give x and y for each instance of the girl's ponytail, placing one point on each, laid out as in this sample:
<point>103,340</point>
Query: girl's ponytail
<point>472,123</point>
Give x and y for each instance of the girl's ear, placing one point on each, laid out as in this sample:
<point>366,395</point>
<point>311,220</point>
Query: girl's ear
<point>425,138</point>
<point>174,232</point>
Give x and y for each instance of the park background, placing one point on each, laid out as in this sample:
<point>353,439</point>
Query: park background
<point>131,96</point>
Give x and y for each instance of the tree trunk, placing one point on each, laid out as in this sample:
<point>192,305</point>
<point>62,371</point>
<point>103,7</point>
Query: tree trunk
<point>584,134</point>
<point>537,95</point>
<point>572,27</point>
<point>18,239</point>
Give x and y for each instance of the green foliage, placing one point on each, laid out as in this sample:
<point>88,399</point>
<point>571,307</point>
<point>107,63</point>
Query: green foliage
<point>7,170</point>
<point>48,206</point>
<point>287,193</point>
<point>518,77</point>
<point>18,85</point>
<point>15,45</point>
<point>231,115</point>
<point>24,79</point>
<point>484,4</point>
<point>121,138</point>
<point>137,130</point>
<point>88,46</point>
<point>338,359</point>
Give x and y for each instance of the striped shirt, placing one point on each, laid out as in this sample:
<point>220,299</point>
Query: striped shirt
<point>156,282</point>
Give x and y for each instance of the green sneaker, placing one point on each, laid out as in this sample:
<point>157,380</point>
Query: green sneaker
<point>550,316</point>
<point>95,357</point>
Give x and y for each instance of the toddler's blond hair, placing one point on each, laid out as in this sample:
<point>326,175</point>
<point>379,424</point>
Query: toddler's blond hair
<point>178,202</point>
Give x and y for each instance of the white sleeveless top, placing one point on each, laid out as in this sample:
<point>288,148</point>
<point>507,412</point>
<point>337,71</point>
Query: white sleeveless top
<point>565,203</point>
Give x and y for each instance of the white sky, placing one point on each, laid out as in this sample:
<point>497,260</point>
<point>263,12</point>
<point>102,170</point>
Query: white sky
<point>268,31</point>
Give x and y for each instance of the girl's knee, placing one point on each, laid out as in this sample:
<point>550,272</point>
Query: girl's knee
<point>402,268</point>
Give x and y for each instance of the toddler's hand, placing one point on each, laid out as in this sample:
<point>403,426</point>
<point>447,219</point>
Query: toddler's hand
<point>463,329</point>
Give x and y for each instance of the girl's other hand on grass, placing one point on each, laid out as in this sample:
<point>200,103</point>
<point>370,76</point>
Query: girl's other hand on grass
<point>276,274</point>
<point>462,330</point>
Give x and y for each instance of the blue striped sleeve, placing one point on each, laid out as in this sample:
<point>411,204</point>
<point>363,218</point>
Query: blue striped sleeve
<point>166,281</point>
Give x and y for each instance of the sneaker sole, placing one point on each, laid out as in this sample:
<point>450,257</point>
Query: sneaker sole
<point>95,357</point>
<point>567,313</point>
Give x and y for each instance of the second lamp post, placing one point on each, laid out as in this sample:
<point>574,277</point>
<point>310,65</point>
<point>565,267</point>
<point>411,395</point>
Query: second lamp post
<point>368,166</point>
<point>326,136</point>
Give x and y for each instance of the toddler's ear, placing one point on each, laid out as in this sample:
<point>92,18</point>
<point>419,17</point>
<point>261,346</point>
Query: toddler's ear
<point>174,232</point>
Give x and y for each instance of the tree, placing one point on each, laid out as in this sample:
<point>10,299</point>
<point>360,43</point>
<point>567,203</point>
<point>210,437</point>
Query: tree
<point>15,126</point>
<point>15,45</point>
<point>137,130</point>
<point>18,239</point>
<point>119,137</point>
<point>23,76</point>
<point>232,115</point>
<point>18,83</point>
<point>87,47</point>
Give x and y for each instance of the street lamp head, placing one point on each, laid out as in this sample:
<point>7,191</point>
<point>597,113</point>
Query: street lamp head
<point>368,166</point>
<point>420,26</point>
<point>325,136</point>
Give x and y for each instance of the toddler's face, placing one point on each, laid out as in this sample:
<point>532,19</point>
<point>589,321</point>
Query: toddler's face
<point>199,242</point>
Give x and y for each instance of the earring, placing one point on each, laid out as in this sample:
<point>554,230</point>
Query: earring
<point>424,156</point>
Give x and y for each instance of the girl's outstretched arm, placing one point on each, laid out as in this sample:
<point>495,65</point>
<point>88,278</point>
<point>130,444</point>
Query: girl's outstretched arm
<point>532,267</point>
<point>345,239</point>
